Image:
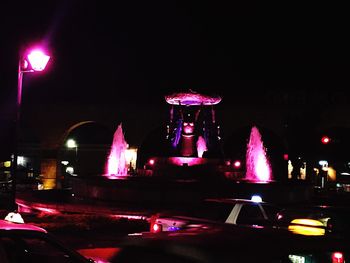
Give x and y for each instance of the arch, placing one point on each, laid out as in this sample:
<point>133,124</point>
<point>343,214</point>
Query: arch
<point>67,132</point>
<point>89,156</point>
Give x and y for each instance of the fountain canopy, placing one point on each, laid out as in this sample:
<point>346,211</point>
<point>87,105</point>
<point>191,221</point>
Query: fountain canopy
<point>191,98</point>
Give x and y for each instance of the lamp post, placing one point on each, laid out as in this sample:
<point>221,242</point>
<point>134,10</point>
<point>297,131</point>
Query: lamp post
<point>72,144</point>
<point>34,60</point>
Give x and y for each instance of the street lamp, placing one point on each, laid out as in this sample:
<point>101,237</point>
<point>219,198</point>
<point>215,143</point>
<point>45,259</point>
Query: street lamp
<point>72,144</point>
<point>32,61</point>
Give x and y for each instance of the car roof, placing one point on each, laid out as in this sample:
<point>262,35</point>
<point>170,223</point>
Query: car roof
<point>231,200</point>
<point>7,225</point>
<point>317,209</point>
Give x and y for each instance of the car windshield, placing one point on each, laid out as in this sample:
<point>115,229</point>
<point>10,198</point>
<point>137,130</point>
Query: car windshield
<point>271,210</point>
<point>216,211</point>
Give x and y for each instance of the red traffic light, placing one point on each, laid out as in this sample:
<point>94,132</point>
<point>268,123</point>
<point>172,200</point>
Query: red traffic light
<point>325,139</point>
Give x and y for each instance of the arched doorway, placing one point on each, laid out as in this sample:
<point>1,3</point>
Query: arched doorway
<point>84,150</point>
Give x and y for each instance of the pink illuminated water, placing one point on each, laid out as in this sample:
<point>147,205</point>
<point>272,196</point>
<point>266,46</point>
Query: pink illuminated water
<point>116,165</point>
<point>201,146</point>
<point>258,168</point>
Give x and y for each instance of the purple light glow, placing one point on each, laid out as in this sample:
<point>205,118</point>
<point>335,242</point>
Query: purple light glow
<point>191,98</point>
<point>116,164</point>
<point>190,161</point>
<point>258,168</point>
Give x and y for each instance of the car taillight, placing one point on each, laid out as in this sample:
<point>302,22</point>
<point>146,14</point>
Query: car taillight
<point>337,257</point>
<point>156,228</point>
<point>330,224</point>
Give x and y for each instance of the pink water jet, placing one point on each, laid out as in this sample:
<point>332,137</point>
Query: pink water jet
<point>258,168</point>
<point>116,165</point>
<point>201,146</point>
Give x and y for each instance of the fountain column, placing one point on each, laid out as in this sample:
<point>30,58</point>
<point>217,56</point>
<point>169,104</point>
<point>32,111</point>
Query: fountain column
<point>258,168</point>
<point>117,163</point>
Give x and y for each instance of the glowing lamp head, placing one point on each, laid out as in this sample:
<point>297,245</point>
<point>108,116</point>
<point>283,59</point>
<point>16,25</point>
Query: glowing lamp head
<point>151,161</point>
<point>38,60</point>
<point>71,143</point>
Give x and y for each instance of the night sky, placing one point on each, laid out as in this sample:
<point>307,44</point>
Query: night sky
<point>132,50</point>
<point>136,51</point>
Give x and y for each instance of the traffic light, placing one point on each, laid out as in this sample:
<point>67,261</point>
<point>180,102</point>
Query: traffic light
<point>325,139</point>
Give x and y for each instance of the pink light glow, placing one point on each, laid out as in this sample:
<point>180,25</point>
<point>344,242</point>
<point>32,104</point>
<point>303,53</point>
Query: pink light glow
<point>34,208</point>
<point>46,210</point>
<point>23,208</point>
<point>190,161</point>
<point>136,217</point>
<point>116,164</point>
<point>191,98</point>
<point>257,165</point>
<point>11,226</point>
<point>201,146</point>
<point>237,164</point>
<point>99,255</point>
<point>38,60</point>
<point>188,127</point>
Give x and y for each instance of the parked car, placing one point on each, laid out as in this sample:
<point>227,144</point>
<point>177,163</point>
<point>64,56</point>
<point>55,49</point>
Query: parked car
<point>228,244</point>
<point>333,219</point>
<point>20,242</point>
<point>219,210</point>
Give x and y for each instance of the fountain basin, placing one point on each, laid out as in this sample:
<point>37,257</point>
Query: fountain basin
<point>162,191</point>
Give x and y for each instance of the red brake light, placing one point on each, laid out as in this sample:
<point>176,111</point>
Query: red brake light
<point>237,164</point>
<point>330,224</point>
<point>156,228</point>
<point>337,257</point>
<point>325,140</point>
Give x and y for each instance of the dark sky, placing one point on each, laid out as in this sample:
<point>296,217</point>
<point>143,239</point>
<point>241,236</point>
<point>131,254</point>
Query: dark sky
<point>107,51</point>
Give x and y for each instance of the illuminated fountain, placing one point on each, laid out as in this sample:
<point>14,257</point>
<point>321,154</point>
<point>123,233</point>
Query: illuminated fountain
<point>116,166</point>
<point>258,168</point>
<point>201,146</point>
<point>193,138</point>
<point>189,166</point>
